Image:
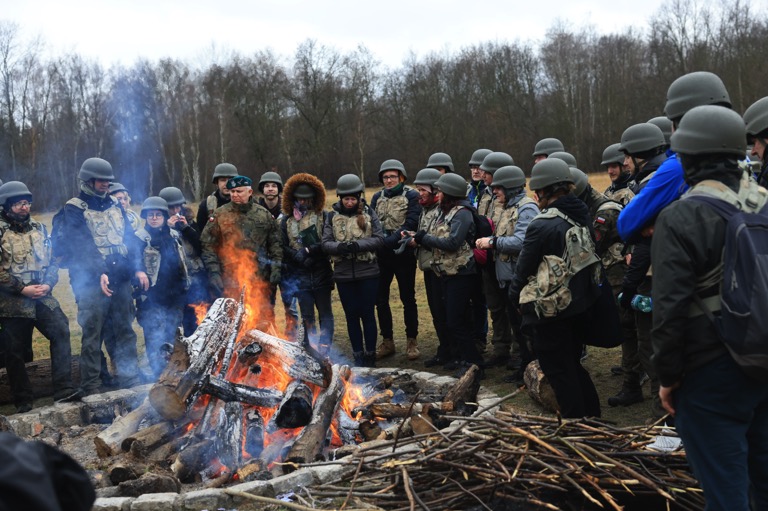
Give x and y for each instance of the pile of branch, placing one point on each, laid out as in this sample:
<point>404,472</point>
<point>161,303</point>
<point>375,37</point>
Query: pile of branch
<point>512,461</point>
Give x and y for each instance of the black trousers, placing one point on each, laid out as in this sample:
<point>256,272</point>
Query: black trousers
<point>457,293</point>
<point>434,290</point>
<point>403,268</point>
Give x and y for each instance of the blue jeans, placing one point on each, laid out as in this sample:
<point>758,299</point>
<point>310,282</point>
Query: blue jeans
<point>358,298</point>
<point>722,418</point>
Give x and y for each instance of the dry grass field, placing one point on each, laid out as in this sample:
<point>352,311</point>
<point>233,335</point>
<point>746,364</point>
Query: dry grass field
<point>598,362</point>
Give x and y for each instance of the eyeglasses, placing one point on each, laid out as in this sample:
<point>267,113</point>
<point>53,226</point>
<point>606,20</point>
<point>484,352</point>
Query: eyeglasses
<point>155,215</point>
<point>22,204</point>
<point>391,177</point>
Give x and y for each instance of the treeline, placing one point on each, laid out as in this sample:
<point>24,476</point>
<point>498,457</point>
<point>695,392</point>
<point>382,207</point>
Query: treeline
<point>170,122</point>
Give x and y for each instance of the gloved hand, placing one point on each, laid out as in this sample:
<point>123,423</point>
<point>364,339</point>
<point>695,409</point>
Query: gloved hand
<point>308,263</point>
<point>315,250</point>
<point>626,297</point>
<point>354,247</point>
<point>419,236</point>
<point>402,244</point>
<point>215,284</point>
<point>274,277</point>
<point>343,248</point>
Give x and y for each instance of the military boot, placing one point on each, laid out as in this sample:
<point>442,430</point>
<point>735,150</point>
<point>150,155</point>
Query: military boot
<point>385,349</point>
<point>626,396</point>
<point>358,358</point>
<point>369,359</point>
<point>412,349</point>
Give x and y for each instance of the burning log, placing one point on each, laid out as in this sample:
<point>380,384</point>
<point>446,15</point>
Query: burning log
<point>235,392</point>
<point>539,388</point>
<point>191,460</point>
<point>141,442</point>
<point>310,442</point>
<point>109,442</point>
<point>295,410</point>
<point>254,433</point>
<point>229,436</point>
<point>253,470</point>
<point>293,358</point>
<point>250,353</point>
<point>370,430</point>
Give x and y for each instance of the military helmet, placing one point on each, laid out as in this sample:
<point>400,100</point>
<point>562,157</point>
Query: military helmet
<point>695,89</point>
<point>453,185</point>
<point>14,190</point>
<point>665,125</point>
<point>496,160</point>
<point>392,165</point>
<point>304,191</point>
<point>580,179</point>
<point>547,146</point>
<point>271,177</point>
<point>509,176</point>
<point>640,138</point>
<point>612,154</point>
<point>427,176</point>
<point>567,157</point>
<point>478,156</point>
<point>756,117</point>
<point>224,170</point>
<point>96,168</point>
<point>173,196</point>
<point>710,130</point>
<point>440,160</point>
<point>115,187</point>
<point>349,184</point>
<point>549,172</point>
<point>154,203</point>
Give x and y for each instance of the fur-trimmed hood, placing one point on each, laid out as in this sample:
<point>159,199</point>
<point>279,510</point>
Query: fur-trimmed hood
<point>303,178</point>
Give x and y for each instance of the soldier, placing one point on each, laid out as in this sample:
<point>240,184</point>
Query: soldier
<point>756,117</point>
<point>181,220</point>
<point>28,274</point>
<point>241,225</point>
<point>619,190</point>
<point>397,207</point>
<point>160,309</point>
<point>220,196</point>
<point>119,192</point>
<point>545,147</point>
<point>101,253</point>
<point>477,184</point>
<point>440,161</point>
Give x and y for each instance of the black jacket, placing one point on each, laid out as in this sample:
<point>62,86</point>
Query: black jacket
<point>202,211</point>
<point>305,270</point>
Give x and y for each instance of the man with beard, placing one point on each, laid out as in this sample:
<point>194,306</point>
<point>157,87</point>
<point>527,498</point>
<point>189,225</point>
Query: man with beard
<point>619,190</point>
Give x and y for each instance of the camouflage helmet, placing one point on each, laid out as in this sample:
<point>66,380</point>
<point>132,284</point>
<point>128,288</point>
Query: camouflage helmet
<point>304,191</point>
<point>392,165</point>
<point>478,156</point>
<point>567,157</point>
<point>96,168</point>
<point>452,185</point>
<point>710,129</point>
<point>173,196</point>
<point>440,160</point>
<point>547,146</point>
<point>154,204</point>
<point>271,177</point>
<point>665,125</point>
<point>14,190</point>
<point>640,138</point>
<point>756,117</point>
<point>115,187</point>
<point>496,160</point>
<point>349,184</point>
<point>427,177</point>
<point>612,154</point>
<point>224,170</point>
<point>549,172</point>
<point>509,176</point>
<point>580,179</point>
<point>695,89</point>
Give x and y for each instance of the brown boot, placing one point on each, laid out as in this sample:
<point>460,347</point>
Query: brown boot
<point>412,349</point>
<point>385,349</point>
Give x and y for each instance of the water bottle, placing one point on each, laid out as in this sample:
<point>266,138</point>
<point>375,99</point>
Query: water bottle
<point>642,303</point>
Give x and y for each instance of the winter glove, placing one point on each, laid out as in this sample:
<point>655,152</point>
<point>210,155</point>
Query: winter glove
<point>215,284</point>
<point>343,248</point>
<point>274,277</point>
<point>626,297</point>
<point>315,250</point>
<point>403,243</point>
<point>354,247</point>
<point>419,236</point>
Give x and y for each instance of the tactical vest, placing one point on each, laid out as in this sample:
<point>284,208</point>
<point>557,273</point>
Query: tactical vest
<point>107,227</point>
<point>25,255</point>
<point>426,219</point>
<point>194,262</point>
<point>295,227</point>
<point>211,204</point>
<point>152,256</point>
<point>133,219</point>
<point>392,211</point>
<point>448,263</point>
<point>507,223</point>
<point>622,195</point>
<point>485,206</point>
<point>615,252</point>
<point>345,228</point>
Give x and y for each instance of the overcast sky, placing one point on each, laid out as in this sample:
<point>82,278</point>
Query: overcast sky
<point>123,31</point>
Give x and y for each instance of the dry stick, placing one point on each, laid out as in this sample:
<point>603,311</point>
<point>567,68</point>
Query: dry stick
<point>478,499</point>
<point>352,483</point>
<point>276,502</point>
<point>402,423</point>
<point>407,487</point>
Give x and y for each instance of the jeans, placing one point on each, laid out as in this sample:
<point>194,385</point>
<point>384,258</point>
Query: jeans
<point>358,298</point>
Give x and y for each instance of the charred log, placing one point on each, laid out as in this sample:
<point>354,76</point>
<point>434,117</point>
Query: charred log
<point>292,357</point>
<point>295,410</point>
<point>109,442</point>
<point>254,433</point>
<point>191,460</point>
<point>235,392</point>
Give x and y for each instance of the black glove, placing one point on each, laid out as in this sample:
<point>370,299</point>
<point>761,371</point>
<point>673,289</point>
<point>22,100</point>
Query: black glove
<point>626,297</point>
<point>315,250</point>
<point>403,244</point>
<point>354,247</point>
<point>419,236</point>
<point>343,248</point>
<point>309,262</point>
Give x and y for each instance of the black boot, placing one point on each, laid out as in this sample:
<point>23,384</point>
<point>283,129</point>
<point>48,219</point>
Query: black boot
<point>626,397</point>
<point>369,359</point>
<point>359,359</point>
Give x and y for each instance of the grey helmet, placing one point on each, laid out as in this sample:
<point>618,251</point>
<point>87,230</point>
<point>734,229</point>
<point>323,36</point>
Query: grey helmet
<point>495,161</point>
<point>349,184</point>
<point>115,187</point>
<point>304,191</point>
<point>392,165</point>
<point>440,160</point>
<point>580,179</point>
<point>695,89</point>
<point>756,117</point>
<point>453,185</point>
<point>154,203</point>
<point>710,130</point>
<point>271,177</point>
<point>427,177</point>
<point>173,196</point>
<point>612,154</point>
<point>14,190</point>
<point>665,125</point>
<point>478,156</point>
<point>509,177</point>
<point>567,157</point>
<point>547,146</point>
<point>96,168</point>
<point>641,138</point>
<point>224,170</point>
<point>549,172</point>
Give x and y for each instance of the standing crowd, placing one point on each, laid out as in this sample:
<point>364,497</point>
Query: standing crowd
<point>547,265</point>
